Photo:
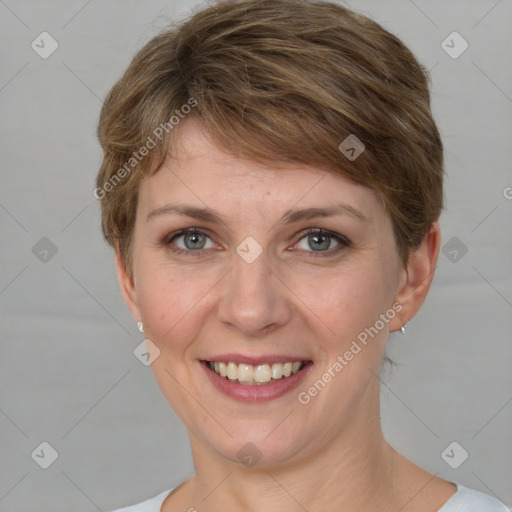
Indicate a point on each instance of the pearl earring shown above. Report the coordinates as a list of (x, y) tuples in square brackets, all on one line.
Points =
[(402, 329), (140, 326)]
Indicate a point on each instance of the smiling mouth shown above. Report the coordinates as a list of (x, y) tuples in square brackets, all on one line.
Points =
[(258, 375)]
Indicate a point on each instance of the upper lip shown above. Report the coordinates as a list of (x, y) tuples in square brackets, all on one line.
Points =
[(256, 360)]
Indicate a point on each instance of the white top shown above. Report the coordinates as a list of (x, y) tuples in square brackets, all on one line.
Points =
[(464, 500)]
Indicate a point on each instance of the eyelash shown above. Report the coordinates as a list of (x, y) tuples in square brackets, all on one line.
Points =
[(342, 240)]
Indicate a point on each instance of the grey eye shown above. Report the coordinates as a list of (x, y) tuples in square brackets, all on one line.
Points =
[(193, 241), (317, 242)]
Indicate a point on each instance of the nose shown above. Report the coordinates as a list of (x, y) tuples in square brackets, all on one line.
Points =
[(255, 300)]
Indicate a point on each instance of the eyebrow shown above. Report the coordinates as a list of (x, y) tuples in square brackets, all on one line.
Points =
[(289, 217)]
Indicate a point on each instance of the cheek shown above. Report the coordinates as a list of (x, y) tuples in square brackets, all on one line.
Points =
[(170, 300), (346, 302)]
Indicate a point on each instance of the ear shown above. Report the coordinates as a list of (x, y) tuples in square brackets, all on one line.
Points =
[(417, 277), (127, 287)]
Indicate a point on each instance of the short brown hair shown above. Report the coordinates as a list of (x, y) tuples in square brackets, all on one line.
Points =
[(278, 81)]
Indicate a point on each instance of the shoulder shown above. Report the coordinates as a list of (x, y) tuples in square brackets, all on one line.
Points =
[(468, 500), (464, 500), (150, 505)]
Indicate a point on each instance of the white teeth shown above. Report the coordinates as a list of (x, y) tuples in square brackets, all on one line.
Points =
[(232, 371), (277, 370), (253, 375), (245, 373), (262, 373)]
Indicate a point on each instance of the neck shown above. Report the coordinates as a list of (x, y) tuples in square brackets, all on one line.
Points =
[(340, 471)]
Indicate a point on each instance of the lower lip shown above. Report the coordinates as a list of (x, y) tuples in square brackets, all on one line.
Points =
[(256, 393)]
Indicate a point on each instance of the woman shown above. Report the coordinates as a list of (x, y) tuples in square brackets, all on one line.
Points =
[(271, 184)]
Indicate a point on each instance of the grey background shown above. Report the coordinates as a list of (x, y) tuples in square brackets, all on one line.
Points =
[(68, 373)]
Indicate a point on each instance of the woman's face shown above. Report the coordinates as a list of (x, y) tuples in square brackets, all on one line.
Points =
[(255, 283)]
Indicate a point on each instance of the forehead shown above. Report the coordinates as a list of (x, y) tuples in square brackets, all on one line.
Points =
[(200, 172)]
